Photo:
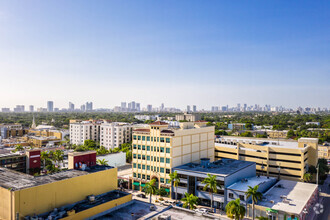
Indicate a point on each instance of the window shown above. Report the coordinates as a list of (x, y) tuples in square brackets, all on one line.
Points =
[(157, 159), (157, 149), (242, 197), (148, 177), (148, 138), (143, 147), (143, 157), (157, 139), (139, 147), (139, 156), (162, 150), (168, 150), (134, 137), (139, 175), (152, 139), (134, 174), (139, 137), (162, 180), (162, 140), (168, 171), (162, 170), (168, 140), (139, 166), (168, 160), (134, 146), (148, 148), (134, 156), (162, 159), (143, 176), (134, 165), (143, 138), (167, 181), (143, 167), (148, 158), (148, 167), (152, 148), (231, 195)]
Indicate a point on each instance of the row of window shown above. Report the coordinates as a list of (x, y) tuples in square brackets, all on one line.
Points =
[(151, 148), (152, 168), (148, 138), (138, 175), (151, 158)]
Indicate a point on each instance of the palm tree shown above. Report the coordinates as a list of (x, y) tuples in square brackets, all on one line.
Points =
[(308, 177), (255, 195), (176, 180), (150, 188), (18, 148), (58, 156), (212, 184), (235, 210), (102, 162), (189, 201), (44, 156)]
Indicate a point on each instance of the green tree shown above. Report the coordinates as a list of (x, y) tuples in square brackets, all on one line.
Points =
[(44, 156), (290, 134), (255, 195), (212, 185), (189, 201), (57, 156), (102, 162), (307, 177), (235, 210), (162, 192), (175, 180), (90, 144), (150, 188), (18, 147)]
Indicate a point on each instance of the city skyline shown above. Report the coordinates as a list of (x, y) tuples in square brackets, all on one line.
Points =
[(256, 52)]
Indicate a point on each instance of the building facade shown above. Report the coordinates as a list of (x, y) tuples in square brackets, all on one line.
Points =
[(188, 117), (113, 135), (324, 152), (159, 148), (287, 159), (84, 130)]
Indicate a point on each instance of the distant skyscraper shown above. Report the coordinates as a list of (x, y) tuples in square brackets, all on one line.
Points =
[(129, 107), (31, 108), (50, 106), (188, 108), (162, 107), (71, 106), (149, 108), (138, 107), (194, 108), (83, 108), (123, 106), (19, 108), (89, 106), (5, 109), (133, 106)]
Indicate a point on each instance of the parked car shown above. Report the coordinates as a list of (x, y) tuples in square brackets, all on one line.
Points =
[(166, 203), (202, 211), (141, 195)]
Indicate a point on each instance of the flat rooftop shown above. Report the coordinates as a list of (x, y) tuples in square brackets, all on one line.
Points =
[(141, 210), (14, 180), (223, 167), (83, 205), (253, 181), (297, 195), (267, 142)]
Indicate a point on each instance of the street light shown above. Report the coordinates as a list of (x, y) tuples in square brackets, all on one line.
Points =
[(279, 171)]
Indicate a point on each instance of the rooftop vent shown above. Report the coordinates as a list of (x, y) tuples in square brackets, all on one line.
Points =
[(205, 162)]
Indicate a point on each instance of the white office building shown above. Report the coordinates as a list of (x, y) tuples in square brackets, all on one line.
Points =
[(84, 130)]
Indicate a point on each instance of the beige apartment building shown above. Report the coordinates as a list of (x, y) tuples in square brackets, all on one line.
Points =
[(324, 152), (287, 159), (159, 148), (113, 135), (84, 130)]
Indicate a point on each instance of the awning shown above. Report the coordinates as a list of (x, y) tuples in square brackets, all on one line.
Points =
[(142, 184), (167, 190), (136, 184), (271, 210)]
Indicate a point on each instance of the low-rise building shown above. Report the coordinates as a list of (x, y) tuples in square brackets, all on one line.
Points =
[(84, 130), (237, 126), (228, 173), (288, 159), (287, 199), (324, 152)]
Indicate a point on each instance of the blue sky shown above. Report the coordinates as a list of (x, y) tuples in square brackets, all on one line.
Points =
[(177, 52)]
